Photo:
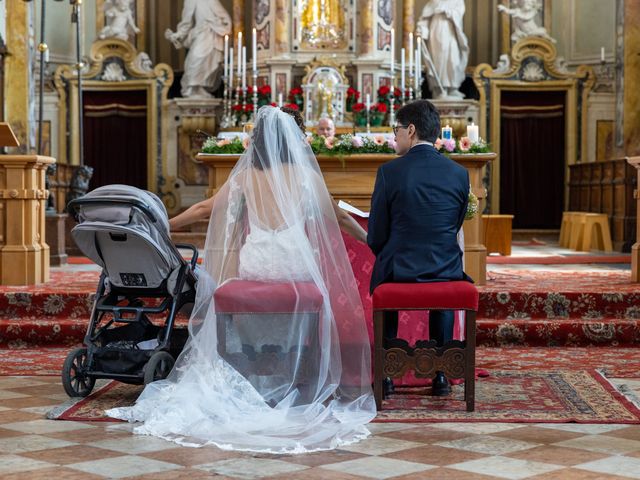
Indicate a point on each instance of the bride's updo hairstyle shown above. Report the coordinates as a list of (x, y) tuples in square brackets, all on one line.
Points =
[(269, 132)]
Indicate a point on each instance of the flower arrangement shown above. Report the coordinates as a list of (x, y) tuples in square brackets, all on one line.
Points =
[(339, 145), (461, 146), (264, 95), (352, 98), (384, 95), (472, 206), (296, 96), (239, 111)]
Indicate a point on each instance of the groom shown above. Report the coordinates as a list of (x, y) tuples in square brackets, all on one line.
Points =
[(418, 205)]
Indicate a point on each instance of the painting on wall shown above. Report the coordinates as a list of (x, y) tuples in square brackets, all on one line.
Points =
[(604, 140)]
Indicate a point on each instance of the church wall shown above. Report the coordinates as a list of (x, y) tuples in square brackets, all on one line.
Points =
[(3, 20)]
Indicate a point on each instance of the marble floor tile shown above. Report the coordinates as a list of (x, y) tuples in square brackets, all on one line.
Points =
[(134, 444), (72, 454), (52, 473), (557, 455), (435, 455), (45, 426), (618, 465), (250, 468), (30, 443), (380, 446), (478, 428), (16, 463), (537, 435), (123, 466), (188, 457), (602, 444), (378, 467), (585, 428), (504, 467), (488, 444)]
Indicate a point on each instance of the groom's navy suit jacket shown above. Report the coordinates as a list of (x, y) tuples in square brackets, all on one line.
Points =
[(418, 205)]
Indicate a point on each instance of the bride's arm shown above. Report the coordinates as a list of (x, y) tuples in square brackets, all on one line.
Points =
[(349, 224), (199, 211)]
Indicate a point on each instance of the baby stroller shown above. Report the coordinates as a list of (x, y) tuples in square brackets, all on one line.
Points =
[(126, 232)]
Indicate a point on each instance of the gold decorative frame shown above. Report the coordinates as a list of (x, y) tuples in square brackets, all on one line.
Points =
[(140, 18), (155, 82), (540, 55), (325, 61)]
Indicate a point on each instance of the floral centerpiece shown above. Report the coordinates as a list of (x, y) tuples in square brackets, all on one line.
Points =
[(378, 113), (461, 146), (339, 145)]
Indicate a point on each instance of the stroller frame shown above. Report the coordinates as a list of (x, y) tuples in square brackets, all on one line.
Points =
[(80, 369)]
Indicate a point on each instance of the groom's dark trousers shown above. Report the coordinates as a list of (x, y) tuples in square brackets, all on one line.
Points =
[(417, 208)]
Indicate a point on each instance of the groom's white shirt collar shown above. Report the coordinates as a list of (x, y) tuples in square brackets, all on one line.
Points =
[(421, 143)]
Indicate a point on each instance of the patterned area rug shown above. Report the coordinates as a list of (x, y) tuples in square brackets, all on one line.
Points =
[(506, 396), (615, 362)]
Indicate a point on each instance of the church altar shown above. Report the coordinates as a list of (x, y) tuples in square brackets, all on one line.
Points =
[(351, 178)]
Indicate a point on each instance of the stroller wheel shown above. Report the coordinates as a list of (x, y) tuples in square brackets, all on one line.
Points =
[(158, 367), (74, 380)]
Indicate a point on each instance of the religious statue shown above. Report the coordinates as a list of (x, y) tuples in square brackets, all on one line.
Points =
[(79, 184), (524, 19), (119, 18), (323, 23), (202, 29), (447, 49)]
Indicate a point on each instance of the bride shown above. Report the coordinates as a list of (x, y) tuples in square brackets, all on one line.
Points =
[(273, 222)]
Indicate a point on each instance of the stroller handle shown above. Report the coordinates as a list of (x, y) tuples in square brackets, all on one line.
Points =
[(73, 205)]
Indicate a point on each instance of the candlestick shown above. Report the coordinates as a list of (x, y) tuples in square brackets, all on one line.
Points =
[(226, 56), (392, 48), (473, 133), (239, 47), (244, 78), (411, 73), (254, 46), (230, 99), (602, 59), (280, 101), (402, 67), (447, 133), (368, 112), (255, 95), (392, 101)]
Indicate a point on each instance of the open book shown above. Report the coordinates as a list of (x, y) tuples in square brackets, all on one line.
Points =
[(351, 209)]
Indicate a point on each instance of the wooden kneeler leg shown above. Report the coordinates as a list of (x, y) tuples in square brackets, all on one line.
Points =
[(378, 359), (470, 359)]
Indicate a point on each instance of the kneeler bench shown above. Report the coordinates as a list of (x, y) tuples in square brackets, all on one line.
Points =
[(456, 358), (246, 297)]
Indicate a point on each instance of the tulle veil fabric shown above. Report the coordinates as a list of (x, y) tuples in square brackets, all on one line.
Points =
[(272, 222)]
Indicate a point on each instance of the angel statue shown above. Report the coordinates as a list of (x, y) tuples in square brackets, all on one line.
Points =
[(524, 19), (447, 49), (202, 29), (120, 22)]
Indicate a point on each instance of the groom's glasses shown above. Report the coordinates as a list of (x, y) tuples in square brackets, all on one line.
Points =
[(395, 128)]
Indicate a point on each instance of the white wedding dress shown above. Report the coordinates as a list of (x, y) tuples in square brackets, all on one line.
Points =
[(272, 222)]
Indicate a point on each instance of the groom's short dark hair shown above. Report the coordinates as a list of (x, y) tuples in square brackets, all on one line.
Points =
[(424, 116)]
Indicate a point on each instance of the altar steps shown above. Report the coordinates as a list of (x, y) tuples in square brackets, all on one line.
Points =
[(537, 309)]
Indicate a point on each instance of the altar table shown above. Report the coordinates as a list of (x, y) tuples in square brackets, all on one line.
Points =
[(351, 178)]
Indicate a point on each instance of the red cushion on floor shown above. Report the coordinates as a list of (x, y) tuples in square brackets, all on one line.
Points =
[(245, 296), (433, 295)]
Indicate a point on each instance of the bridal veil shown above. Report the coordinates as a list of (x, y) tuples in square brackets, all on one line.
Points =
[(273, 225)]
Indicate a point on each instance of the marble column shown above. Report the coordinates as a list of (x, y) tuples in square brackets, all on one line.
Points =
[(18, 82), (365, 8), (238, 19), (408, 23), (282, 21), (631, 77)]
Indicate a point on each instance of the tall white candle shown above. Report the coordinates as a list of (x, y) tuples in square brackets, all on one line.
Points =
[(239, 47), (602, 54), (393, 48), (368, 101), (280, 101), (419, 63), (416, 74), (254, 46), (411, 55), (226, 56), (231, 69), (244, 68), (402, 66), (473, 133)]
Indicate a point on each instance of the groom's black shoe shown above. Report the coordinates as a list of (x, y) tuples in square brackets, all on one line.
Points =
[(387, 387), (440, 386)]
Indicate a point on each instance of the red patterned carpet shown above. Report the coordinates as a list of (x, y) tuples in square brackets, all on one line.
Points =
[(616, 362), (507, 396), (517, 307)]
